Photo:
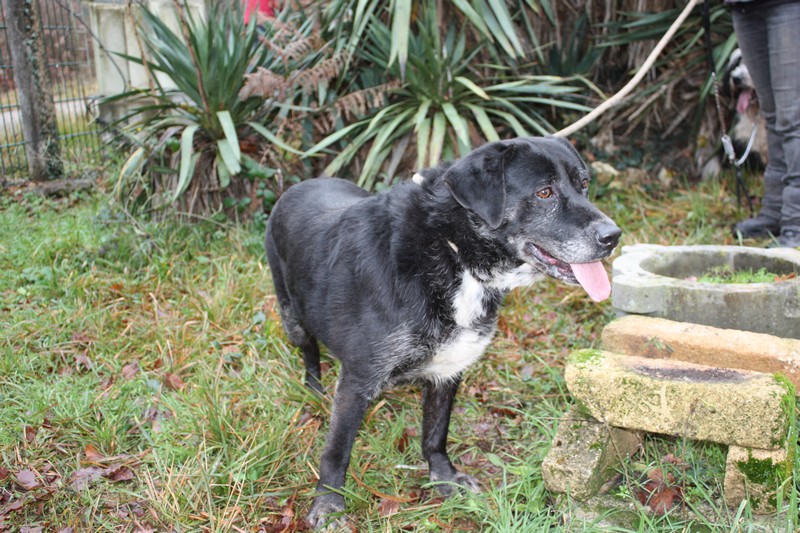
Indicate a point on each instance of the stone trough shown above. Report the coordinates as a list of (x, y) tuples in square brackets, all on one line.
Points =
[(661, 281), (691, 359)]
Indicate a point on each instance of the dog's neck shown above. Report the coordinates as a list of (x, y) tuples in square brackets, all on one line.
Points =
[(457, 235)]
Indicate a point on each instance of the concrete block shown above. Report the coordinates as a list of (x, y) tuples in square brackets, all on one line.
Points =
[(682, 399), (704, 345), (662, 281), (584, 454), (757, 475)]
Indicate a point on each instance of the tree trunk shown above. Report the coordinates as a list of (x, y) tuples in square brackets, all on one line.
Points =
[(34, 94)]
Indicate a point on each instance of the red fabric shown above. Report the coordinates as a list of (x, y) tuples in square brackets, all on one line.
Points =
[(265, 7)]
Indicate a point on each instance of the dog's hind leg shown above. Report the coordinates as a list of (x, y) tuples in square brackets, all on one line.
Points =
[(308, 345), (297, 334), (349, 406), (437, 403)]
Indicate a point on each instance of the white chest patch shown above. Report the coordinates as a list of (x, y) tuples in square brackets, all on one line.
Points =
[(457, 355), (522, 276), (468, 301)]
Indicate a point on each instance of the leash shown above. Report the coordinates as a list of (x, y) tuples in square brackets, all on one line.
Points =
[(727, 143)]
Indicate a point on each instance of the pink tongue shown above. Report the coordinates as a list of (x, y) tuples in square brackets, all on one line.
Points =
[(593, 279), (743, 102)]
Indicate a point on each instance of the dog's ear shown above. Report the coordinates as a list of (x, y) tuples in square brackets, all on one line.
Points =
[(478, 183)]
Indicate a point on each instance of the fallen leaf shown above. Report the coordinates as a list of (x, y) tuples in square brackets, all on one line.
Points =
[(82, 360), (31, 529), (664, 499), (174, 382), (27, 479), (30, 433), (403, 440), (130, 370), (503, 411), (12, 506), (3, 473), (92, 455), (673, 460), (116, 473), (659, 493), (106, 382), (84, 477), (388, 507), (81, 338), (66, 530)]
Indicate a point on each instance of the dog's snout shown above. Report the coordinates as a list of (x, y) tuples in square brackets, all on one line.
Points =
[(608, 234)]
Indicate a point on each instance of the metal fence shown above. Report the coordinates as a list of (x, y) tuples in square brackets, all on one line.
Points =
[(68, 49)]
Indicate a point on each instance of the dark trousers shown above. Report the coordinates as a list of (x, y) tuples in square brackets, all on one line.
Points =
[(769, 38)]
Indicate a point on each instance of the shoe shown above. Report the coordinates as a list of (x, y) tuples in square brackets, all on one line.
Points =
[(758, 226), (789, 239)]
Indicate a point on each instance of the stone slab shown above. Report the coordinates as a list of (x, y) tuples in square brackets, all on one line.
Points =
[(584, 454), (682, 399), (704, 345), (756, 475)]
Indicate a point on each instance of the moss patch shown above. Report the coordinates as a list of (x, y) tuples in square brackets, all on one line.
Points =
[(586, 357), (789, 409), (762, 471)]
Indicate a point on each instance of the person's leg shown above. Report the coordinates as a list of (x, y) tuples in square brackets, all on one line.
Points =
[(783, 30), (751, 27)]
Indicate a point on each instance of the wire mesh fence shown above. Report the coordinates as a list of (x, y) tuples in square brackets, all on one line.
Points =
[(70, 74)]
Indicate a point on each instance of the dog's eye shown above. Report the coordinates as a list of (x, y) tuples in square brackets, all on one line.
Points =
[(584, 183), (545, 193)]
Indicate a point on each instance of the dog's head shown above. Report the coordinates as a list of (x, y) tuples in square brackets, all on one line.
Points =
[(532, 195), (737, 83)]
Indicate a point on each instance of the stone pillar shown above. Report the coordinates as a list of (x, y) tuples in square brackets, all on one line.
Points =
[(113, 25)]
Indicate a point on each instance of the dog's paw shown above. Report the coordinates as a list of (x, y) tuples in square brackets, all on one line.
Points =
[(457, 481), (326, 514)]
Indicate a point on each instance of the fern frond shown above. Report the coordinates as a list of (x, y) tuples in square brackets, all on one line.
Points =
[(264, 83)]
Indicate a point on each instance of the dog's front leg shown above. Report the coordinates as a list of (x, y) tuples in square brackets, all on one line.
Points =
[(437, 403), (349, 407)]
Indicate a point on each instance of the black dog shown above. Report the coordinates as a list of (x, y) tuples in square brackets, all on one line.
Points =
[(406, 285)]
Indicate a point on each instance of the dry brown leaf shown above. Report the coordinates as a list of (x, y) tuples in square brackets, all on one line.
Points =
[(84, 477), (27, 479), (388, 507), (81, 337), (30, 433), (11, 506), (174, 382), (403, 440), (92, 454), (81, 360), (117, 472), (130, 370)]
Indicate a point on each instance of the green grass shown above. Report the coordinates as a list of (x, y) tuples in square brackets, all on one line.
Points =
[(155, 351), (726, 274)]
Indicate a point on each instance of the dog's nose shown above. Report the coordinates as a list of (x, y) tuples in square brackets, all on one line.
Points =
[(608, 234)]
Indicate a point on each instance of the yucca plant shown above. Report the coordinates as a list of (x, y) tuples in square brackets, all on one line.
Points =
[(348, 23), (194, 139), (445, 104)]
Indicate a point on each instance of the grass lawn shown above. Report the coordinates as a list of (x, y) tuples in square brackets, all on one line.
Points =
[(146, 385)]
